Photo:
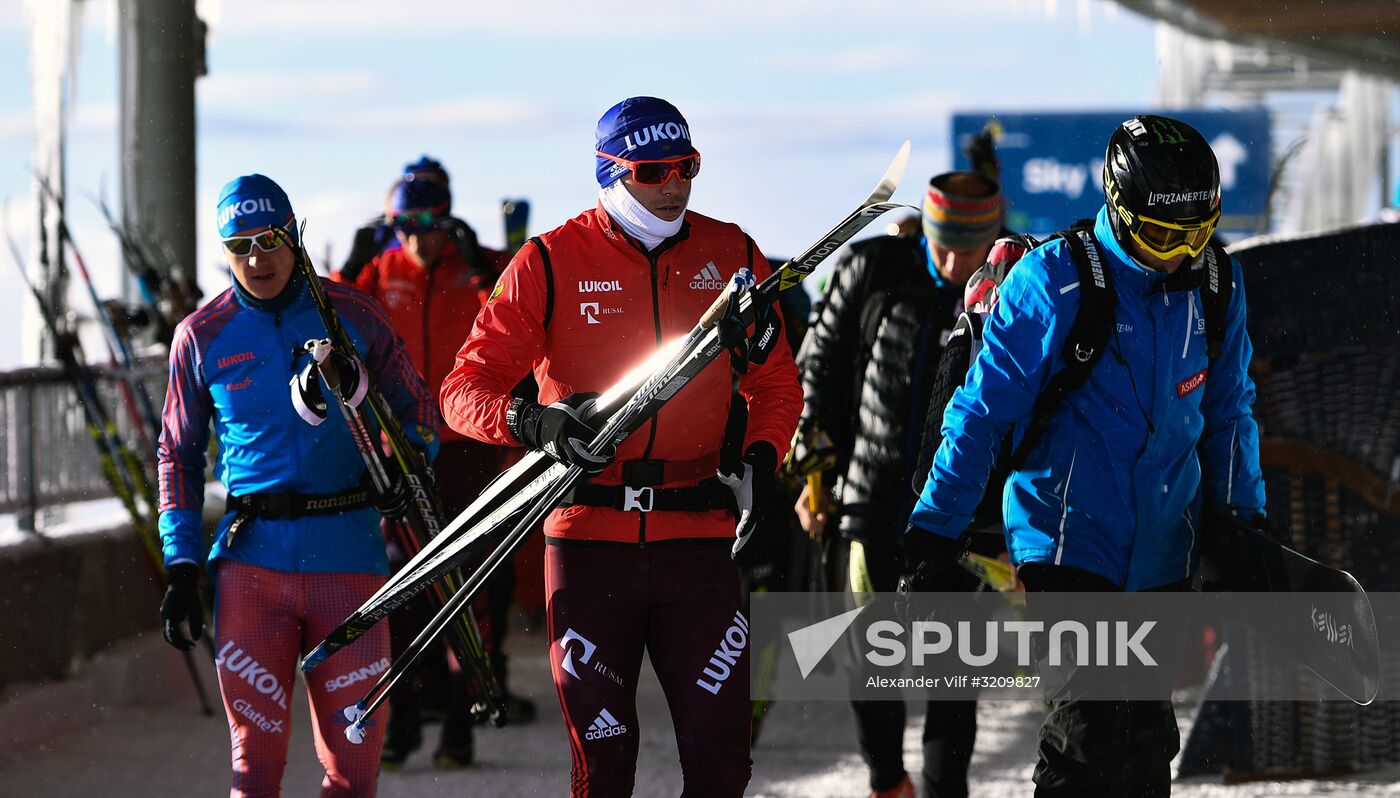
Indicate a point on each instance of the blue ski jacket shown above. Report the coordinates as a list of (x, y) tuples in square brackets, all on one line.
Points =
[(1116, 483), (230, 364)]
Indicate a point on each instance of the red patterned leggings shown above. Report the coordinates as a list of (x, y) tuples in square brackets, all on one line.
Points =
[(264, 621)]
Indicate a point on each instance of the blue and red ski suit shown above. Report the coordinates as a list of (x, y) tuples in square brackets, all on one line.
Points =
[(283, 583)]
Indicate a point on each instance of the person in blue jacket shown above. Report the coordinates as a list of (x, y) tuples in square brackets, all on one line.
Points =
[(1110, 499), (299, 547)]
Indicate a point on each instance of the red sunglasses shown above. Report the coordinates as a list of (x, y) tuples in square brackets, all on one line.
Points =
[(656, 173)]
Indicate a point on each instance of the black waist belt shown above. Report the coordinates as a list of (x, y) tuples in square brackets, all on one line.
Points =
[(296, 505), (710, 494), (658, 472)]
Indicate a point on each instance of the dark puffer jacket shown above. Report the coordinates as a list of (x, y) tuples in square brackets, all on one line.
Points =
[(867, 371)]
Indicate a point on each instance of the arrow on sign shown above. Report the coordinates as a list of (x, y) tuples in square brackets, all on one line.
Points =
[(1230, 153)]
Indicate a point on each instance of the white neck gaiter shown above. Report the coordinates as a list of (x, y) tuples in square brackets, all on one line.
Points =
[(635, 219)]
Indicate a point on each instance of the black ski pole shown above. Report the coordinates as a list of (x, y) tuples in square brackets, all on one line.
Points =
[(464, 632), (425, 509)]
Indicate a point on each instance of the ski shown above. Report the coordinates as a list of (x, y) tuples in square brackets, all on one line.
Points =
[(145, 420), (119, 465), (422, 522), (1316, 604), (626, 406), (516, 215)]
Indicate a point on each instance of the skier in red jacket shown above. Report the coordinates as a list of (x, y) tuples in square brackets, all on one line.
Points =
[(639, 557)]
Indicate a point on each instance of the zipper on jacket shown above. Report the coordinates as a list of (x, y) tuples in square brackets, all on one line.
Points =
[(652, 257)]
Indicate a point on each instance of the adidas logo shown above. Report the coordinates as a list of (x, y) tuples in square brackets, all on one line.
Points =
[(709, 279), (605, 725)]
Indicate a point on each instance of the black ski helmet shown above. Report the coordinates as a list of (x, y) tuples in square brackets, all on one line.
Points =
[(1162, 185)]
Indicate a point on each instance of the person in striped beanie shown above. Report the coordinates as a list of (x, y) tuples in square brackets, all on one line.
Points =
[(887, 317), (963, 213)]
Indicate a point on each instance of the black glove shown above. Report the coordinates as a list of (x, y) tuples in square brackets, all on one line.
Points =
[(560, 431), (393, 501), (182, 603), (369, 241), (752, 483), (1273, 530), (930, 561)]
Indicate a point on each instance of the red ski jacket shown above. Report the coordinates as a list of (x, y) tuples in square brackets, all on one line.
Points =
[(600, 307), (432, 309)]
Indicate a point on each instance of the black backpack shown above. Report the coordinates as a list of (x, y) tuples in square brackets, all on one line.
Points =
[(1088, 338)]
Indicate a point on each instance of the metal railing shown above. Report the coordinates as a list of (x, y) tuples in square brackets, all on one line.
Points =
[(46, 455)]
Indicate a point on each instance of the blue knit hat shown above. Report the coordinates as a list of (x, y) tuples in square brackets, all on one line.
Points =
[(640, 129), (253, 201), (419, 193)]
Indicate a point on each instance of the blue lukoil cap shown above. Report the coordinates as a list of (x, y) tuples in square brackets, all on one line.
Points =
[(253, 201), (640, 129), (414, 194)]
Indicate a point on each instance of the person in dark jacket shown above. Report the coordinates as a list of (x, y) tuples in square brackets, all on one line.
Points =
[(867, 371)]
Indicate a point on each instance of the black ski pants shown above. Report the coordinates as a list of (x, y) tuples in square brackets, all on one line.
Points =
[(950, 727), (464, 469), (1100, 749), (677, 601)]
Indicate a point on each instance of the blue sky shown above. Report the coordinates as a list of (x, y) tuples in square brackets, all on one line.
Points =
[(796, 106)]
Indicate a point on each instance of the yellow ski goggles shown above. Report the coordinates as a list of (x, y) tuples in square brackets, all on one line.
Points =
[(1166, 240)]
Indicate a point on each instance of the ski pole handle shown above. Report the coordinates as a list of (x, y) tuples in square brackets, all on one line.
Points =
[(726, 302), (814, 492)]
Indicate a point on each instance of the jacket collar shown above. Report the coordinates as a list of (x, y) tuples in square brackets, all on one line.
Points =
[(290, 294)]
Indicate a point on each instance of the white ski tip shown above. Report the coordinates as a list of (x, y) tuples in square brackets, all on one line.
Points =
[(355, 733), (893, 175), (354, 712)]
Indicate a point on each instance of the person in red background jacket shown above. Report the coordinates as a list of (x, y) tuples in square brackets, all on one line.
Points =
[(639, 558), (432, 286)]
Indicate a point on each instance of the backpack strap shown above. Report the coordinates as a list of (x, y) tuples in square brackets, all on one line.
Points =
[(1215, 297), (1088, 336), (548, 280), (953, 365)]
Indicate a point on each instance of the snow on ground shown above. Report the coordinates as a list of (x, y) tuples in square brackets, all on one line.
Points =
[(66, 743)]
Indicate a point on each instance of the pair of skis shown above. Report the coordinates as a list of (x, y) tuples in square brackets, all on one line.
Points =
[(144, 418), (422, 522), (523, 495), (123, 469)]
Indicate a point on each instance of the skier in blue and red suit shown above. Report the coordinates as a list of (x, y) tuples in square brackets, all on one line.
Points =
[(299, 547)]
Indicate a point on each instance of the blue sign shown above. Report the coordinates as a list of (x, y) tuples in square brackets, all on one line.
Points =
[(1052, 163)]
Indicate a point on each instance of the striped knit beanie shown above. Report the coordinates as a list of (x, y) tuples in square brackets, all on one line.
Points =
[(962, 210)]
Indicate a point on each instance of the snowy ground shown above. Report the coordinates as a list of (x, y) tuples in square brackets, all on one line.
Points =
[(63, 741)]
